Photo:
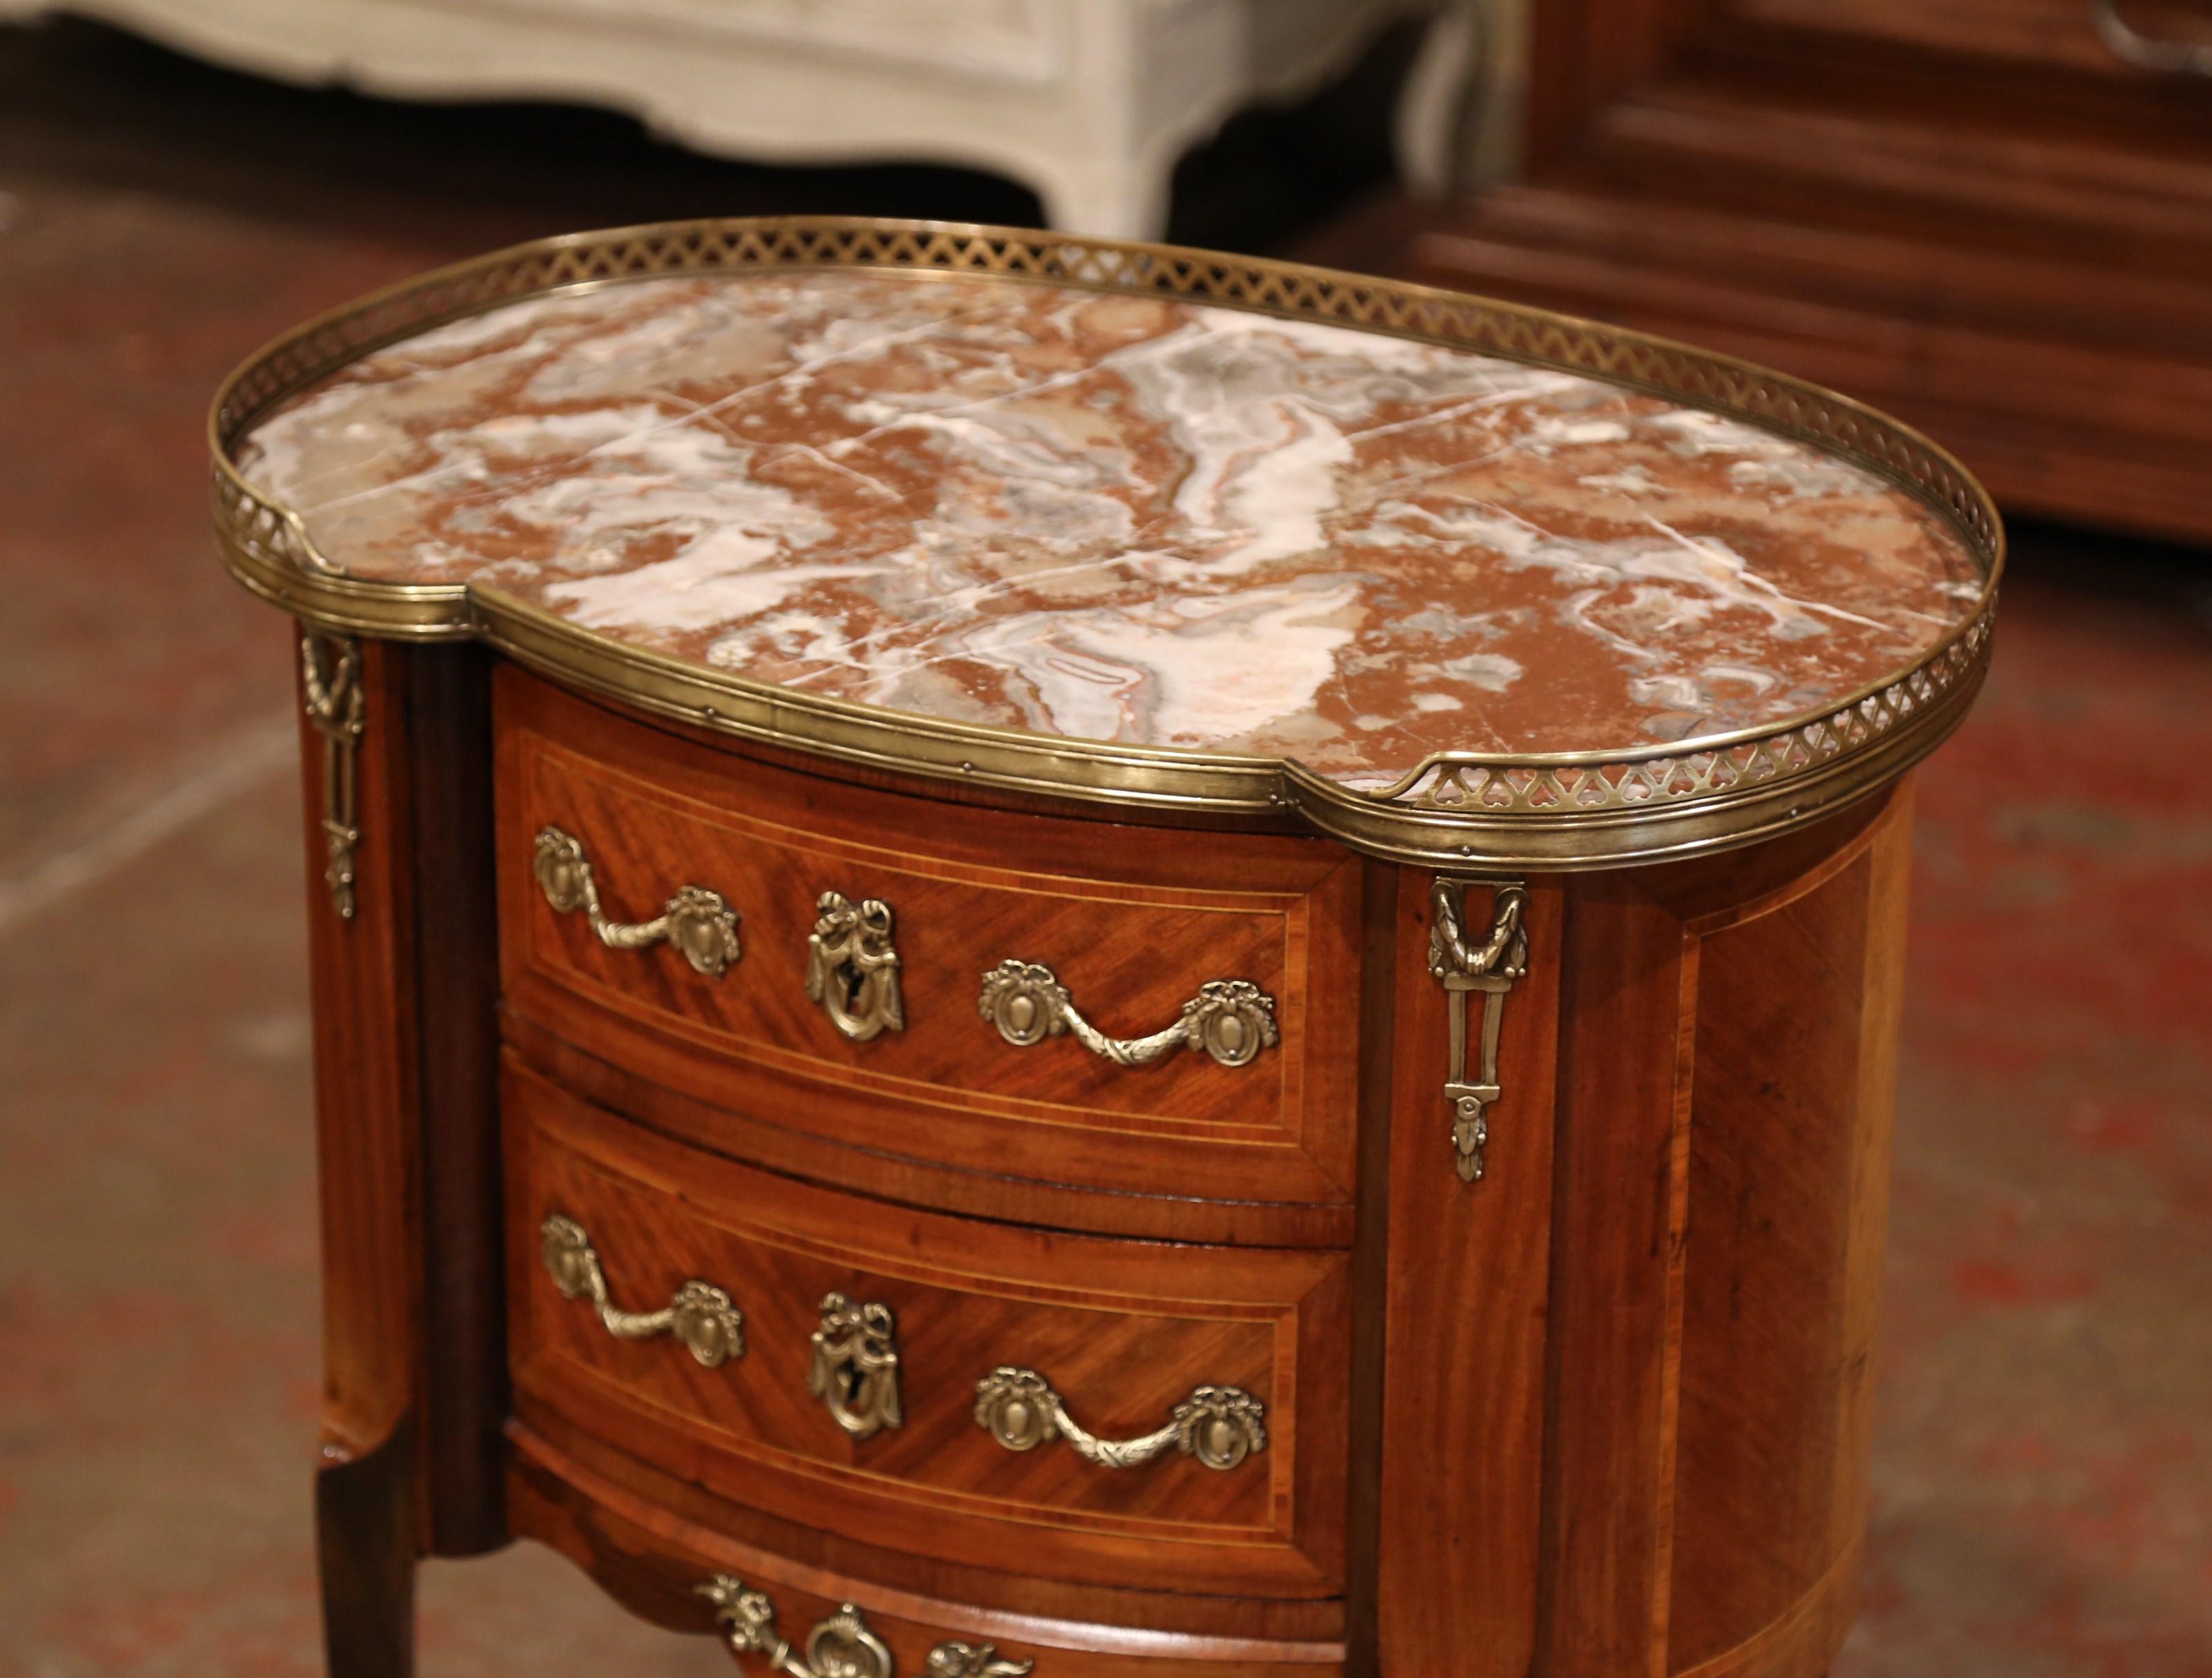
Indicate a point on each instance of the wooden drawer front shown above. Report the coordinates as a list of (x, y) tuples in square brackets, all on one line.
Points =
[(656, 1561), (1123, 1331), (1133, 922)]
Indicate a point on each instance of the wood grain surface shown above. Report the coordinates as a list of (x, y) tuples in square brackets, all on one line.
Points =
[(1604, 1412), (412, 1458), (1973, 215), (1462, 1420), (1727, 1060), (1788, 1176), (1132, 922), (768, 1139), (1123, 1330), (651, 1559), (1120, 1615)]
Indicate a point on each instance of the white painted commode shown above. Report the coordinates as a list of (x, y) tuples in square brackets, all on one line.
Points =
[(1090, 102)]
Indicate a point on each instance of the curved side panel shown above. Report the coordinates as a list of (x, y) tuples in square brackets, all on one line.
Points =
[(1726, 1067), (1792, 1091)]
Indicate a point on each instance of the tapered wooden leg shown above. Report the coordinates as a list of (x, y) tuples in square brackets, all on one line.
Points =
[(365, 1552), (403, 947)]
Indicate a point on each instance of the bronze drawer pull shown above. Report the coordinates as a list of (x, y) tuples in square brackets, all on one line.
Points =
[(700, 923), (842, 1647), (1231, 1020), (698, 1314), (1218, 1426)]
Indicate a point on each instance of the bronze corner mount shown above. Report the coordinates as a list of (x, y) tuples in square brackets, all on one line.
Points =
[(329, 678), (1492, 966)]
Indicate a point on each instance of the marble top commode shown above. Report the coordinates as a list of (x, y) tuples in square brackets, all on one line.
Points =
[(1123, 517), (1043, 835)]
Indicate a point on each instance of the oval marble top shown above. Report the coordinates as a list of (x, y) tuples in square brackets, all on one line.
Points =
[(1121, 518)]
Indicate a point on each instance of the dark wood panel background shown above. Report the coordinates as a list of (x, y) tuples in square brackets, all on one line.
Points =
[(1970, 212)]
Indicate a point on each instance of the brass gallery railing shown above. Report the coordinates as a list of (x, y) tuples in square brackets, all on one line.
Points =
[(1457, 808)]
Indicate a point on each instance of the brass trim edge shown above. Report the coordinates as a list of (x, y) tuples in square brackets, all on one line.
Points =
[(1567, 810)]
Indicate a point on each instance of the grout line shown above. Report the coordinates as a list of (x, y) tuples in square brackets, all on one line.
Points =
[(250, 756)]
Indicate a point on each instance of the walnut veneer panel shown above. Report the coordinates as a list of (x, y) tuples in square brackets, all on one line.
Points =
[(544, 1444), (652, 1560), (1720, 1147), (1606, 1408), (1787, 1175), (1123, 1330), (1132, 922)]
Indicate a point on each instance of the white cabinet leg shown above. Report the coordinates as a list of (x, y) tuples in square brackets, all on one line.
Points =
[(1107, 200), (1432, 111)]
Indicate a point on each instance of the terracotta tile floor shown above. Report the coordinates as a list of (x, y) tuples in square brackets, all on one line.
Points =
[(2045, 1461)]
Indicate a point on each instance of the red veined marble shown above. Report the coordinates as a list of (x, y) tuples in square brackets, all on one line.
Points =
[(1121, 517)]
